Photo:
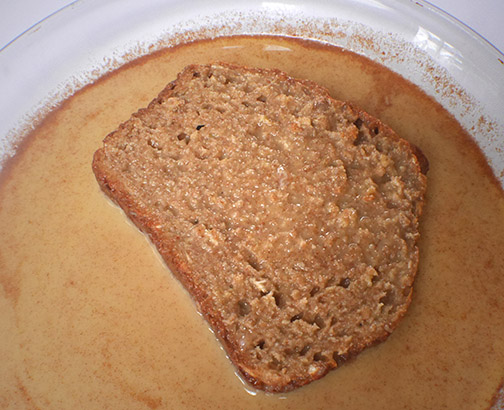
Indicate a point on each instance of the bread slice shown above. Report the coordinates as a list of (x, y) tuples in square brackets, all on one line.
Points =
[(291, 218)]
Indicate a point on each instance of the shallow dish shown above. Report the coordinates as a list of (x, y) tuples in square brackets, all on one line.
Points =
[(88, 39)]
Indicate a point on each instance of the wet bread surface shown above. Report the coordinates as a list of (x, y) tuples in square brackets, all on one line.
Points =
[(290, 217)]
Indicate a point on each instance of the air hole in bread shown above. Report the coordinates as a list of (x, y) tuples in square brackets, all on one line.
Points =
[(254, 264), (274, 364), (344, 283), (319, 321), (253, 261), (198, 127), (376, 130), (319, 357), (183, 137), (220, 109), (376, 278), (260, 344), (262, 98), (305, 350), (243, 307), (154, 144), (339, 358), (296, 317), (387, 299), (361, 138), (380, 180), (279, 299), (196, 74), (314, 291)]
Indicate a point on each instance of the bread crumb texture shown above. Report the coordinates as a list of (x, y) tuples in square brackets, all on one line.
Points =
[(290, 217)]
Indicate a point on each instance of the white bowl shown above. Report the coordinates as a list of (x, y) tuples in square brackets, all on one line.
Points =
[(89, 38)]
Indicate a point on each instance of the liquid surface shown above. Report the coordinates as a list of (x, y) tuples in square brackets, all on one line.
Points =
[(90, 314)]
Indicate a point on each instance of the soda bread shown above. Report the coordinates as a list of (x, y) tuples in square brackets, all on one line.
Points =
[(290, 217)]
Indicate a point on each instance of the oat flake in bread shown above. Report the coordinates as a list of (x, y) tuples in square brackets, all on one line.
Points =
[(290, 217)]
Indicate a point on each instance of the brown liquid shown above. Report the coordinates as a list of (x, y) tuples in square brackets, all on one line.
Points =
[(90, 317)]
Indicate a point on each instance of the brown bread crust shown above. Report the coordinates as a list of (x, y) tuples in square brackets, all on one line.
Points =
[(291, 218)]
